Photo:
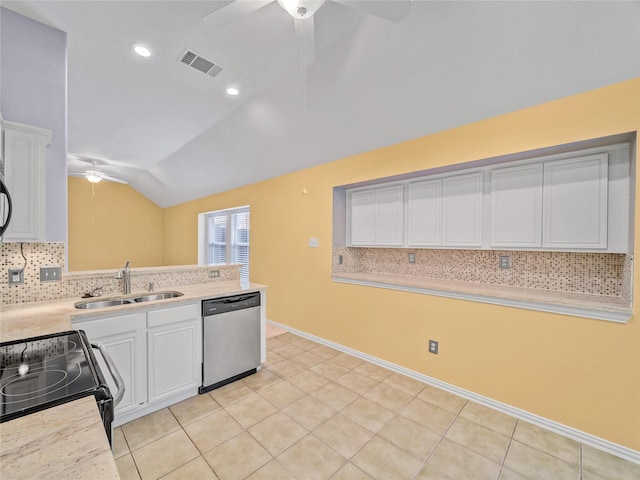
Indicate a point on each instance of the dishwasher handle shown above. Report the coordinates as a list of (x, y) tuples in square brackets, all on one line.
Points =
[(113, 371)]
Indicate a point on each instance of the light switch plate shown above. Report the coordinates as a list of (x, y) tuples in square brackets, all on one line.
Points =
[(50, 274)]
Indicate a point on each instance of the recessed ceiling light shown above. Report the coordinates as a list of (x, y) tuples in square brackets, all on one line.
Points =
[(141, 50), (232, 91)]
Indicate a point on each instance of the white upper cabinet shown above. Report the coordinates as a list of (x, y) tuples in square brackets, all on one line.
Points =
[(516, 206), (363, 217), (424, 213), (376, 216), (570, 201), (389, 215), (25, 174), (575, 203), (462, 210)]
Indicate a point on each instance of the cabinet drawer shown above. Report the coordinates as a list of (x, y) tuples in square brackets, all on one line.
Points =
[(157, 318), (104, 327)]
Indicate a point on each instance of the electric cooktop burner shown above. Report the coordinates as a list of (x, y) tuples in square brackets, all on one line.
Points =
[(40, 372)]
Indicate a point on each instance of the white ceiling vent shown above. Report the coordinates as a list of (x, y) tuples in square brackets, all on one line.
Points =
[(200, 63)]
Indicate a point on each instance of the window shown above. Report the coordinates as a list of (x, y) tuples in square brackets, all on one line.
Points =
[(224, 238)]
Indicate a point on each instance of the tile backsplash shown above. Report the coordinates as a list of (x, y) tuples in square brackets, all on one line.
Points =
[(75, 284), (608, 274)]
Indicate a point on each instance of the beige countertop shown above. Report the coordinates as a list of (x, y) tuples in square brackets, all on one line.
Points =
[(591, 306), (68, 441)]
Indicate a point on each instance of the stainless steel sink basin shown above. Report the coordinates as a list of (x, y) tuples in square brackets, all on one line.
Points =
[(103, 303), (157, 296), (114, 302)]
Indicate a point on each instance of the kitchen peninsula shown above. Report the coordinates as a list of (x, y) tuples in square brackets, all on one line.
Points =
[(67, 440)]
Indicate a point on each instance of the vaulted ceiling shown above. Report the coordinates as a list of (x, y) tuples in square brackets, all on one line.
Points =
[(175, 135)]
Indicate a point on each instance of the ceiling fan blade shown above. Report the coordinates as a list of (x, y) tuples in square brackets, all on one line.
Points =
[(392, 10), (113, 179), (232, 12), (305, 29)]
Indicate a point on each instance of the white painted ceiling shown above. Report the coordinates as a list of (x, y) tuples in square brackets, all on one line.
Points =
[(175, 135)]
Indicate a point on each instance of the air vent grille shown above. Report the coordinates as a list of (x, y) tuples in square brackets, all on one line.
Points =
[(200, 63)]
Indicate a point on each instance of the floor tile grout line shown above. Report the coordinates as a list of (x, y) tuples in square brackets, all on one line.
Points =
[(257, 388)]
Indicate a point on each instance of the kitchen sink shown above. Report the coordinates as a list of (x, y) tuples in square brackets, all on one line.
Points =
[(157, 296), (103, 303), (131, 299)]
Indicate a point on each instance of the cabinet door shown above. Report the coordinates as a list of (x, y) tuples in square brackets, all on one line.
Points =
[(424, 213), (124, 337), (363, 217), (462, 210), (24, 158), (575, 202), (516, 206), (174, 344), (389, 215)]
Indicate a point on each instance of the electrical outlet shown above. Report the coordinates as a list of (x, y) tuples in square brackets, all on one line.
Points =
[(16, 276), (50, 274), (505, 261), (412, 258), (314, 243), (433, 347), (214, 273), (340, 259)]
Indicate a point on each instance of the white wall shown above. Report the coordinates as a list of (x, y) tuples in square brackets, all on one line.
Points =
[(33, 91)]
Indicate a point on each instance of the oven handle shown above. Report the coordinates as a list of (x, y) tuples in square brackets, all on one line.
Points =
[(113, 371)]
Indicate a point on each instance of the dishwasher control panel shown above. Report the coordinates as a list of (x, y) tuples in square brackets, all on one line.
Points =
[(217, 306)]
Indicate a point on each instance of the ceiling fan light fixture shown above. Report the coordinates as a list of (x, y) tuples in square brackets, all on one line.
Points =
[(93, 177), (301, 8)]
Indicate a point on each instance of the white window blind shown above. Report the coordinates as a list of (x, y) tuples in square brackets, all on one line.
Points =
[(227, 238)]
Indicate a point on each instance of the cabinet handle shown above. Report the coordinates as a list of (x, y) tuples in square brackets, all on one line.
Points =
[(113, 371)]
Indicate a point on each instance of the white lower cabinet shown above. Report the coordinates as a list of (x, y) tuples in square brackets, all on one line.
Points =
[(158, 354), (174, 339), (124, 337)]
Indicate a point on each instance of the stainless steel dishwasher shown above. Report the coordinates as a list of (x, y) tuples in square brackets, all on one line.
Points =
[(231, 339)]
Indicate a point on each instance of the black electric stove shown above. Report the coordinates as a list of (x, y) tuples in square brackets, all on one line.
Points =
[(41, 372)]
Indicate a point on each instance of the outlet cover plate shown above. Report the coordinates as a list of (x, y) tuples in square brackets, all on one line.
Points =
[(505, 261), (412, 258), (214, 273), (433, 347), (16, 276)]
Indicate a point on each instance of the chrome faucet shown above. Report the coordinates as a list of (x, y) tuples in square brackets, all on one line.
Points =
[(125, 275)]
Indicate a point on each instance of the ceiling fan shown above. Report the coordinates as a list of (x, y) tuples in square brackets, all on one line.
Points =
[(302, 12), (92, 172)]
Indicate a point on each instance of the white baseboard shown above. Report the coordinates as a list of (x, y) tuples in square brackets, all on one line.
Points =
[(559, 428)]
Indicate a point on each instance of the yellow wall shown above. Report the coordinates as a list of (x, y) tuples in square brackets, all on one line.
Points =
[(110, 223), (580, 372)]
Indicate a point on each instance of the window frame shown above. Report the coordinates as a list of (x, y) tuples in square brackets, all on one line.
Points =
[(230, 240)]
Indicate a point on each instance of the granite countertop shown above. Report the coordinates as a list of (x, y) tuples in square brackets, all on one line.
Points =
[(67, 441), (562, 302), (22, 320)]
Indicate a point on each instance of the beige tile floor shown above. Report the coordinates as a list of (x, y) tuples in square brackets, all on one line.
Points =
[(313, 412)]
